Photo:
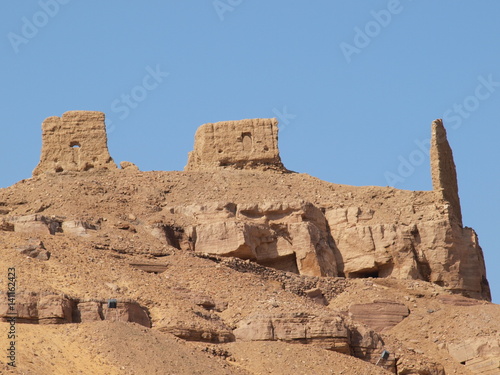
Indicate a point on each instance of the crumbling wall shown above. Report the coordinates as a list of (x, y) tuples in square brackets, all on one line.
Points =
[(76, 141), (244, 144)]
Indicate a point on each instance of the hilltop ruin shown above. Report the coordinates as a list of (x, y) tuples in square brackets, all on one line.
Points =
[(75, 142), (241, 144), (346, 231)]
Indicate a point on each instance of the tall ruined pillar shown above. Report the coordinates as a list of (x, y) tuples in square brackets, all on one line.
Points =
[(444, 174), (76, 142)]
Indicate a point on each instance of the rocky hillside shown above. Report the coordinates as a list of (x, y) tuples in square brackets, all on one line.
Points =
[(236, 266)]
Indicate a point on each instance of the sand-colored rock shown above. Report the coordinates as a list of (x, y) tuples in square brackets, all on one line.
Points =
[(244, 144), (128, 166), (443, 170), (50, 308), (327, 332), (379, 315), (290, 236), (428, 245), (481, 355), (76, 142)]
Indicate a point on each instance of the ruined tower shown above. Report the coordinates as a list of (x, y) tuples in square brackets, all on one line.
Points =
[(245, 144), (76, 141), (443, 170)]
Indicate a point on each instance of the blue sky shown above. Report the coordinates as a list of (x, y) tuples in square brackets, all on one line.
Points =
[(355, 85)]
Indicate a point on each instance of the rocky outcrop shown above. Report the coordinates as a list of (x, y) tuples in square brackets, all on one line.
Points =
[(352, 241), (49, 308), (427, 244), (44, 225), (76, 141), (245, 144), (443, 170), (480, 355), (327, 332), (288, 236), (330, 332), (35, 249), (126, 165)]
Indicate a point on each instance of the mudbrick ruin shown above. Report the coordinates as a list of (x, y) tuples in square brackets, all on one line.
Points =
[(236, 250)]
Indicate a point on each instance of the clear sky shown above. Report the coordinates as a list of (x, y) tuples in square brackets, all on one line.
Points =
[(354, 84)]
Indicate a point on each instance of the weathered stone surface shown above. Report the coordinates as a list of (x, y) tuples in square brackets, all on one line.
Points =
[(127, 312), (484, 366), (289, 236), (427, 245), (479, 347), (352, 241), (126, 165), (150, 267), (76, 141), (35, 249), (76, 227), (327, 332), (380, 315), (49, 308), (443, 170), (251, 143), (89, 311), (43, 225), (34, 224), (39, 308), (193, 333)]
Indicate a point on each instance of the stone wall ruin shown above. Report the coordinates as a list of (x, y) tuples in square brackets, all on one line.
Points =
[(245, 144), (75, 142)]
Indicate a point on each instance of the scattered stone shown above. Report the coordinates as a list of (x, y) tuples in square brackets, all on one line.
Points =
[(36, 250)]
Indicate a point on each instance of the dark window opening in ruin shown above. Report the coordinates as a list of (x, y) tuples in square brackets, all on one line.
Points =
[(59, 170), (247, 141), (364, 274), (88, 167), (266, 148), (74, 144), (462, 363)]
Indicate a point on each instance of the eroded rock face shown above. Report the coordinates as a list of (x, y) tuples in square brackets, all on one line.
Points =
[(327, 332), (49, 308), (428, 245), (251, 143), (76, 141), (289, 236)]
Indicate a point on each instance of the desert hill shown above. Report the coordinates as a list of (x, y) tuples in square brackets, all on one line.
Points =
[(237, 265)]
